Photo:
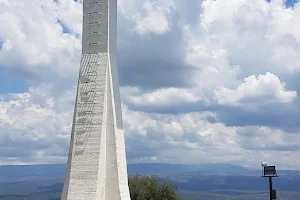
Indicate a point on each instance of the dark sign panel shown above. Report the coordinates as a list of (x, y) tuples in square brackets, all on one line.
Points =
[(269, 171)]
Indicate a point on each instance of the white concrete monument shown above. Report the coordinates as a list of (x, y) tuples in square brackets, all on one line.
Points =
[(96, 168)]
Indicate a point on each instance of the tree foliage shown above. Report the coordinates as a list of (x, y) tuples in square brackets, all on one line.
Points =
[(149, 188)]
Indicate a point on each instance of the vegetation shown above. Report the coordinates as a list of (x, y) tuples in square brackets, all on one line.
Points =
[(149, 188)]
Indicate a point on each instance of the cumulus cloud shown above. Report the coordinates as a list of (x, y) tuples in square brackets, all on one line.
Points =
[(182, 67), (70, 13), (263, 89), (242, 26), (30, 123), (169, 137), (148, 16), (265, 138), (33, 40), (160, 97)]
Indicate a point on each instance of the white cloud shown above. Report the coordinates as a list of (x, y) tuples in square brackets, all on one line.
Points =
[(266, 138), (170, 137), (254, 33), (239, 39), (263, 89), (160, 97), (70, 13), (148, 16), (182, 138), (266, 143), (32, 129), (231, 50), (33, 40), (228, 50)]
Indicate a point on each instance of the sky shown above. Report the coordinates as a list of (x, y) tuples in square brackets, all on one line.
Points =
[(201, 81)]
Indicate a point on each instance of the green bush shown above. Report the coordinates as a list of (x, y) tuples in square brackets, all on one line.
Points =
[(149, 188)]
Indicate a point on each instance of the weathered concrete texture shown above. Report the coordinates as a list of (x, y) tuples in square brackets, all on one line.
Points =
[(97, 162)]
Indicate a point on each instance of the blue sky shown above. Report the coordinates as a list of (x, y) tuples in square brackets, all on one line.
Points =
[(11, 84), (291, 3), (208, 81), (65, 28), (288, 3)]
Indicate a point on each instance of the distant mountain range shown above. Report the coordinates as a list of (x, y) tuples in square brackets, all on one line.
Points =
[(17, 171), (12, 172), (22, 181), (161, 168)]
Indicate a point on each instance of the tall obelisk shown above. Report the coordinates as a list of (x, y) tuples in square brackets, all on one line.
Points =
[(97, 161)]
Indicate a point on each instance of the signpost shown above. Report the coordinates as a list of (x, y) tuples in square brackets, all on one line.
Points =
[(270, 172)]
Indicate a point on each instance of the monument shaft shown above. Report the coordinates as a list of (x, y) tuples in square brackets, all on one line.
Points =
[(96, 168)]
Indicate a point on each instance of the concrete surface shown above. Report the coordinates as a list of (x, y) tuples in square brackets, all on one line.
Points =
[(96, 168)]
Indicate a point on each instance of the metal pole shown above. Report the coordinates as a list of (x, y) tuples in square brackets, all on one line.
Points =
[(271, 188)]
